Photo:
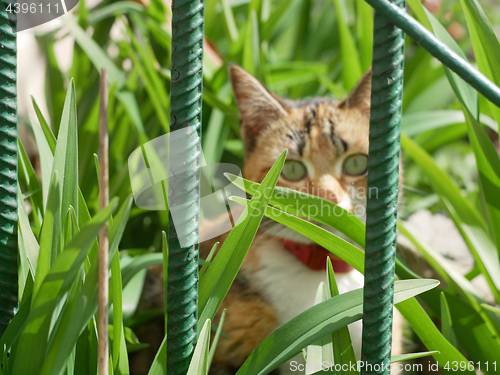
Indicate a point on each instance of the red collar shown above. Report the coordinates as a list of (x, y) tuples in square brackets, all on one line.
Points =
[(314, 256)]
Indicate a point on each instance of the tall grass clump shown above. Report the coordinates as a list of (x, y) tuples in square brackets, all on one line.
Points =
[(299, 49)]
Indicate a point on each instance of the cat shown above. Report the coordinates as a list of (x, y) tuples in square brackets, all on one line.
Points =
[(327, 143)]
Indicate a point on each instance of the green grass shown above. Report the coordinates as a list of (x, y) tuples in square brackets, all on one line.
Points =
[(299, 48)]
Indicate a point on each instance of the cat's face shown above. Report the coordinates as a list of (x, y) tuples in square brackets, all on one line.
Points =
[(327, 141)]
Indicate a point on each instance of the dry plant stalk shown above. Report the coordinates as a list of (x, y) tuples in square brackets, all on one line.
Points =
[(103, 291)]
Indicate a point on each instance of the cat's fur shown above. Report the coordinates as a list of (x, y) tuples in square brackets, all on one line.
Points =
[(276, 286)]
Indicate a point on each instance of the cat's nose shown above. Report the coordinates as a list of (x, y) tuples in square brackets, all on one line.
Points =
[(327, 187)]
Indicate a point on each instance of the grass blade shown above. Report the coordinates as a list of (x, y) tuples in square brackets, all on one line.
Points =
[(427, 332), (251, 44), (343, 350), (119, 356), (477, 336), (208, 260), (199, 360), (164, 253), (16, 326), (34, 338), (415, 123), (120, 7), (470, 224), (46, 159), (322, 350), (50, 234), (28, 181), (140, 263), (213, 348), (296, 203), (441, 265), (161, 112), (488, 166), (407, 357), (364, 29), (490, 308), (446, 321), (99, 58), (341, 248), (485, 44), (31, 247), (411, 309), (80, 310), (464, 92), (314, 323), (230, 24), (150, 73), (217, 280), (351, 71), (159, 366), (66, 153), (49, 136), (130, 105), (270, 26)]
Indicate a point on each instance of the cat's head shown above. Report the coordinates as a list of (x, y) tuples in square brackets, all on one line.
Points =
[(327, 140)]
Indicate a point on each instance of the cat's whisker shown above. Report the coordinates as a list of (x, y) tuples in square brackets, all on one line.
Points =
[(413, 189)]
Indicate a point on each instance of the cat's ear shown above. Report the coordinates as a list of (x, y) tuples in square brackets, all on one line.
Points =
[(256, 104), (360, 95)]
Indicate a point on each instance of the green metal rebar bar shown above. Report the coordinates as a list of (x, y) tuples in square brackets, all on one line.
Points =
[(438, 49), (8, 167), (383, 179), (185, 113)]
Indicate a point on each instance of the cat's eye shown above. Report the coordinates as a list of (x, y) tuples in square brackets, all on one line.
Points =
[(294, 170), (356, 165)]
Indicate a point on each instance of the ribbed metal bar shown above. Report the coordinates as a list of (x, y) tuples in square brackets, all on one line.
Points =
[(186, 105), (436, 48), (383, 179), (8, 167)]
